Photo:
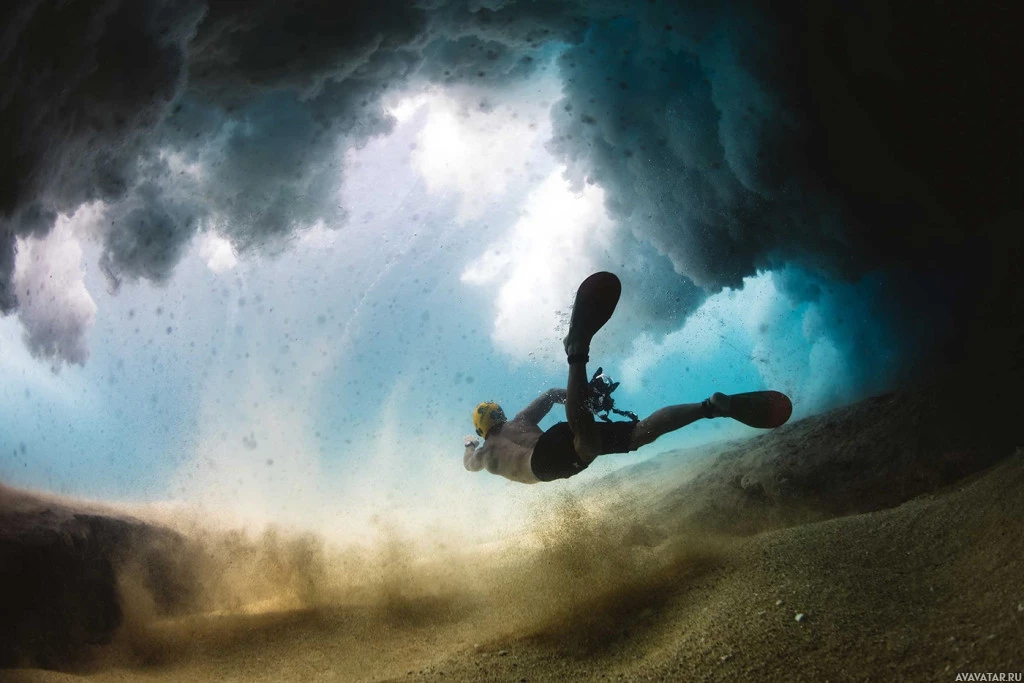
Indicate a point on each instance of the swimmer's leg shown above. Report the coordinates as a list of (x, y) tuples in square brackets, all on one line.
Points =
[(671, 418), (586, 439)]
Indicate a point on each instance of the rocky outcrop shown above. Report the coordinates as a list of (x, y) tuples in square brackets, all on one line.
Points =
[(59, 577)]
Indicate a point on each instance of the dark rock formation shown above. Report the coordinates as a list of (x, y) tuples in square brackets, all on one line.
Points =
[(59, 577)]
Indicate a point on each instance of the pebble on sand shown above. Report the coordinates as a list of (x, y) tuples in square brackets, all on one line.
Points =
[(799, 616)]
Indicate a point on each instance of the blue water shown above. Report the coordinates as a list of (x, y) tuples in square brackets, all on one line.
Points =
[(338, 369)]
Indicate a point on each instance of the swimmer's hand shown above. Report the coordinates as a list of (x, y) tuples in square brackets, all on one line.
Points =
[(470, 442)]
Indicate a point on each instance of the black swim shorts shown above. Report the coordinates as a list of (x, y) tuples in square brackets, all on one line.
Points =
[(555, 457)]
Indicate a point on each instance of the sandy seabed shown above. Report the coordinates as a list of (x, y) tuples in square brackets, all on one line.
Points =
[(841, 547)]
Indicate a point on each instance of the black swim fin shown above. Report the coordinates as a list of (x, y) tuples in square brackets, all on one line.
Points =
[(595, 302)]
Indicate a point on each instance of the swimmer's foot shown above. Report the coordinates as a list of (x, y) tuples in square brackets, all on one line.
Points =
[(716, 405), (577, 348), (595, 302)]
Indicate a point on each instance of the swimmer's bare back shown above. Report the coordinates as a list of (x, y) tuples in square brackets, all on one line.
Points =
[(507, 451)]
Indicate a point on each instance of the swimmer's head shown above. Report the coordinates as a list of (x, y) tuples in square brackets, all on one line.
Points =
[(486, 417)]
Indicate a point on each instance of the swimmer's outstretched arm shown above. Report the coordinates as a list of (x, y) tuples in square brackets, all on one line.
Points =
[(473, 457), (540, 406)]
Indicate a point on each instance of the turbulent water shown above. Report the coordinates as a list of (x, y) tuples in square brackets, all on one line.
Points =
[(258, 262)]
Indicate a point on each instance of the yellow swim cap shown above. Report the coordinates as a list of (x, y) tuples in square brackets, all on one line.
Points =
[(487, 416)]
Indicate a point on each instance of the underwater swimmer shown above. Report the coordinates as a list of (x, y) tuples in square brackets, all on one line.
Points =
[(518, 449)]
